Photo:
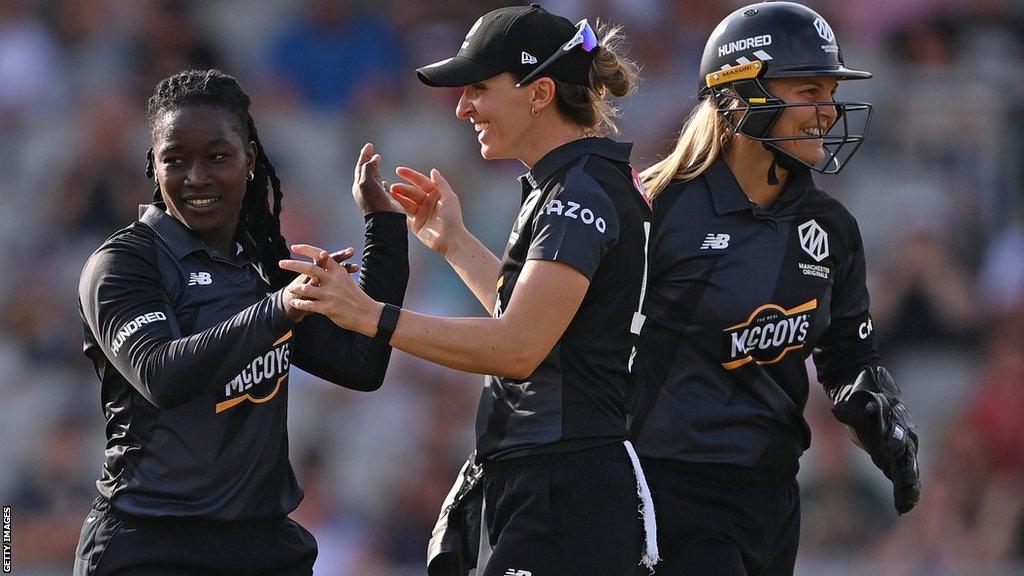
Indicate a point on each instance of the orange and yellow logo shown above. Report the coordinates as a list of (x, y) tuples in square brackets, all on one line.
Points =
[(769, 333)]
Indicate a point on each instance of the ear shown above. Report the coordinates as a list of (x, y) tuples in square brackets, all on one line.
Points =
[(250, 156), (542, 93)]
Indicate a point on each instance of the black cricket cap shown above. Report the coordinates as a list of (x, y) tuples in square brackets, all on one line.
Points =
[(513, 39)]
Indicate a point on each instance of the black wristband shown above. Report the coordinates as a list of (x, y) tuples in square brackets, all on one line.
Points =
[(387, 323)]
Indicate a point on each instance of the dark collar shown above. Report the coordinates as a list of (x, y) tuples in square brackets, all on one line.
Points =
[(727, 195), (546, 167), (176, 235)]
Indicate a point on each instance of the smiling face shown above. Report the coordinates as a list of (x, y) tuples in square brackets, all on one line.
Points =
[(202, 161), (804, 121), (500, 114)]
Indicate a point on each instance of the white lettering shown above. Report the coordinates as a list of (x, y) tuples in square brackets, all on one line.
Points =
[(601, 226), (587, 216), (744, 44), (738, 345), (555, 207), (133, 326), (865, 329), (571, 212), (781, 331)]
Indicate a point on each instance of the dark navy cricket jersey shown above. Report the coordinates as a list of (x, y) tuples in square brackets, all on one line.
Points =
[(193, 351), (581, 206), (738, 297)]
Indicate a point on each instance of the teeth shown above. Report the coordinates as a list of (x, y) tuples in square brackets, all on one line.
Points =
[(200, 202), (816, 132), (479, 126)]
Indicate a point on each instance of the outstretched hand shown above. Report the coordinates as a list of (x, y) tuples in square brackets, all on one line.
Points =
[(433, 211), (331, 291), (368, 190)]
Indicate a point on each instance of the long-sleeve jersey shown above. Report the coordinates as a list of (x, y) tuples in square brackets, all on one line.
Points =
[(582, 207), (193, 351), (738, 298)]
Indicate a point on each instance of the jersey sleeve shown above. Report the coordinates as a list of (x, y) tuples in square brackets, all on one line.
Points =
[(125, 307), (849, 343), (348, 358), (577, 227)]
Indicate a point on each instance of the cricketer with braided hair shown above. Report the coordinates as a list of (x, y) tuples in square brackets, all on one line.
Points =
[(189, 323)]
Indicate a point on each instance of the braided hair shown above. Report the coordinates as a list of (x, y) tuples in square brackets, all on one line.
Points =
[(263, 224)]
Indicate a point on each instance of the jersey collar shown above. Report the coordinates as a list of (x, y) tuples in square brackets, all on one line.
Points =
[(546, 167), (727, 196), (175, 234)]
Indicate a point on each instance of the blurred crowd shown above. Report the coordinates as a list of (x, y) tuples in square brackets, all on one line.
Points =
[(938, 189)]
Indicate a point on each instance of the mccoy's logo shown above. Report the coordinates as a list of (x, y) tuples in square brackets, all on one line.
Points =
[(261, 379), (769, 334)]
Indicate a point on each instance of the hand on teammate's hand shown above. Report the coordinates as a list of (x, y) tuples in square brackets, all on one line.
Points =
[(331, 291), (433, 211), (294, 314), (368, 190)]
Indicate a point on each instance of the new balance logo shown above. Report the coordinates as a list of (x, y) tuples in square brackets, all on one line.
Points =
[(202, 278), (514, 572), (529, 58), (715, 242)]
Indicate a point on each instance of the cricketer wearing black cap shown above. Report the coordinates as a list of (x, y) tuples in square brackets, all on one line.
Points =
[(750, 276), (559, 483)]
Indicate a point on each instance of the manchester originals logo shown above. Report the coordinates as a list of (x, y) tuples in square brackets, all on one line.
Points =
[(814, 240), (824, 30), (769, 334), (261, 379)]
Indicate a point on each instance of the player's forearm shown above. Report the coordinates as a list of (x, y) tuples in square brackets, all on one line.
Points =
[(477, 266), (480, 345), (385, 271)]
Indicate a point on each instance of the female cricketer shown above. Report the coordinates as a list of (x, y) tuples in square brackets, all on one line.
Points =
[(560, 483), (753, 267), (191, 327)]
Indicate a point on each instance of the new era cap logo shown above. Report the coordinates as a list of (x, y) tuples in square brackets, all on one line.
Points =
[(529, 58)]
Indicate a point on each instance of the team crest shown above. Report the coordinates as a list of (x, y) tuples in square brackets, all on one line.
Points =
[(824, 30), (814, 240)]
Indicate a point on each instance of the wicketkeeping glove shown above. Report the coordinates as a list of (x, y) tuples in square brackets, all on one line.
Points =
[(882, 423)]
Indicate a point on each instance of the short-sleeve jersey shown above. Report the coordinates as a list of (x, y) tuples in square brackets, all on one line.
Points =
[(738, 297), (582, 206), (193, 350)]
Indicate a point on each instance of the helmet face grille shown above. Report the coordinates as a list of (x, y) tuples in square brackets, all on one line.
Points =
[(749, 109)]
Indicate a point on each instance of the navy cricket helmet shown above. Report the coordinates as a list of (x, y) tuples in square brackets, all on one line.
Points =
[(779, 40)]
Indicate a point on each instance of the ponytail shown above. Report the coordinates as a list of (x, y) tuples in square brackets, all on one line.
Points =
[(702, 140)]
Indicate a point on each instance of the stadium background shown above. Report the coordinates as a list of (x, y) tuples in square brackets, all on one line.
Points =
[(937, 189)]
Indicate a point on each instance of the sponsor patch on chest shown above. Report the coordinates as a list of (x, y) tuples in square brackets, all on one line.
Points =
[(769, 333)]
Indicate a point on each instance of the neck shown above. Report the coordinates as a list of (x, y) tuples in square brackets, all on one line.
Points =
[(749, 162), (549, 135)]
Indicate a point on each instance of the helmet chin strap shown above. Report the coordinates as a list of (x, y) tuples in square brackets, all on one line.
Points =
[(779, 158)]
